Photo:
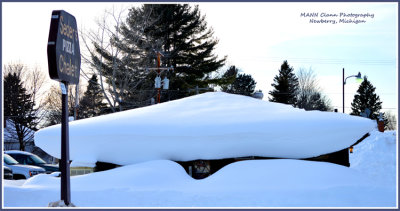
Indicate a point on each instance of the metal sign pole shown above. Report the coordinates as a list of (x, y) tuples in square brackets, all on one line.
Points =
[(64, 163), (64, 60)]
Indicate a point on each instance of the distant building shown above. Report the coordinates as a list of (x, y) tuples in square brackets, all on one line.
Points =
[(10, 140)]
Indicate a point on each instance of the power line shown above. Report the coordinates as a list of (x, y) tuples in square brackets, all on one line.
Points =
[(351, 107), (324, 61), (386, 93)]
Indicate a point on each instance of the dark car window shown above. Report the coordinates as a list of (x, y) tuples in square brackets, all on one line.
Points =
[(9, 160), (36, 159), (28, 159), (20, 158)]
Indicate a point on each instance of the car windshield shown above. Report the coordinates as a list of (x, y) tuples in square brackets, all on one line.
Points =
[(36, 159), (9, 160)]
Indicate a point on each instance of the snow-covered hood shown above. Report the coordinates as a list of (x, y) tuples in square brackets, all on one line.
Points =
[(213, 125)]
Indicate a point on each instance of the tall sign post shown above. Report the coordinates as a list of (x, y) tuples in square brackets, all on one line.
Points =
[(64, 61)]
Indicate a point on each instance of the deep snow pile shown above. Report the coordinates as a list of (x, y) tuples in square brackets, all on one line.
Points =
[(257, 183), (376, 157), (213, 125)]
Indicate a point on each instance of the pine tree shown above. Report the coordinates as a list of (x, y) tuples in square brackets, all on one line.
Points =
[(180, 33), (366, 98), (243, 84), (313, 101), (91, 103), (285, 86), (19, 108), (187, 43)]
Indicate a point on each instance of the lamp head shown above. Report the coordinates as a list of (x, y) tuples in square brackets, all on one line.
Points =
[(359, 78)]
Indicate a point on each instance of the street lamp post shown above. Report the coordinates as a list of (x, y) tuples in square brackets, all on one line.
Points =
[(358, 76)]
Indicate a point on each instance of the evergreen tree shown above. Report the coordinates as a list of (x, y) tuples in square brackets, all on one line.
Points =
[(19, 108), (187, 43), (243, 85), (179, 32), (285, 86), (366, 98), (313, 101), (91, 103), (229, 76)]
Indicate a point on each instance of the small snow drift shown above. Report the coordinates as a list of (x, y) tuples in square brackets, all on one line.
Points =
[(208, 126), (287, 174)]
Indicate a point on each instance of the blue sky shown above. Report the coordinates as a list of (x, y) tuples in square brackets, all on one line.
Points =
[(256, 37), (278, 32)]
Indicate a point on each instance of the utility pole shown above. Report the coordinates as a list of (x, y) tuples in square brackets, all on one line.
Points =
[(158, 73), (158, 80)]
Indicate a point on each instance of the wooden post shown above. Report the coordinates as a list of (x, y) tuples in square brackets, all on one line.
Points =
[(158, 72)]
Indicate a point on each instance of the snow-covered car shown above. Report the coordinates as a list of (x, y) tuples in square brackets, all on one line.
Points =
[(7, 172), (21, 171), (27, 158)]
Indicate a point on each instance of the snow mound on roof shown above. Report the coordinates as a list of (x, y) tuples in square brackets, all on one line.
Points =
[(213, 125)]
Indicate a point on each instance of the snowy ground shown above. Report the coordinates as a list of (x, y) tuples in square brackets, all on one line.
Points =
[(370, 182)]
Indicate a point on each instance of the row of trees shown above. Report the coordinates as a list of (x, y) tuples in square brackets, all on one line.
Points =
[(302, 91), (299, 90), (27, 108), (23, 113)]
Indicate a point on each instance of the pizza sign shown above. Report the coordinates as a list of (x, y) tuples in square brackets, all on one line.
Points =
[(63, 53)]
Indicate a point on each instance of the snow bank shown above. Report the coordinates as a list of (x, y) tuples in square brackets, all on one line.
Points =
[(152, 175), (369, 182), (257, 183), (376, 157), (207, 126), (286, 174)]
